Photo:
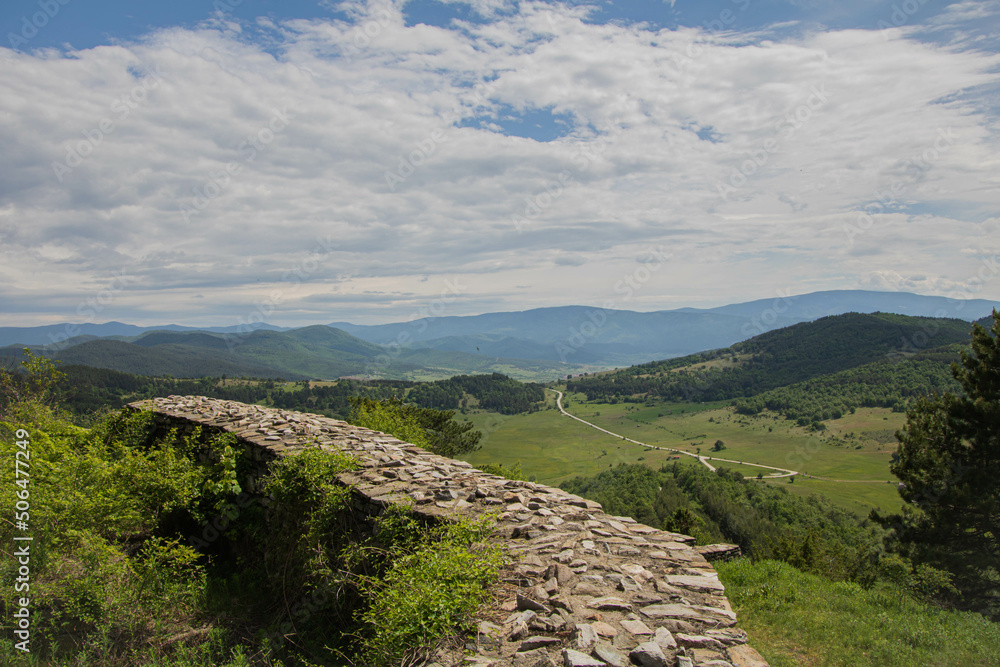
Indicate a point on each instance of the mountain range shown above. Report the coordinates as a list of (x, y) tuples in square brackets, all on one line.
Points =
[(539, 344)]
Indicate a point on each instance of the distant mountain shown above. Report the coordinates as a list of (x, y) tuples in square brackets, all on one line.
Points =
[(529, 345), (619, 337), (167, 359), (65, 334), (316, 352)]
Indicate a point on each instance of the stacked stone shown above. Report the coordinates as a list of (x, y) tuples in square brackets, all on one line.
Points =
[(585, 589)]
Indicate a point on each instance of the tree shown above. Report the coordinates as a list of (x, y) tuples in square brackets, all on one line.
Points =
[(948, 462), (719, 446), (435, 430), (33, 391)]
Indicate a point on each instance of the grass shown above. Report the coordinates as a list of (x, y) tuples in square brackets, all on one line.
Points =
[(795, 618), (553, 448)]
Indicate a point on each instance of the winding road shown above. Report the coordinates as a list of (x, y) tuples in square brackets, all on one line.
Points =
[(782, 472)]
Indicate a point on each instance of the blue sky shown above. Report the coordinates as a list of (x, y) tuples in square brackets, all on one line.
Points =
[(300, 162)]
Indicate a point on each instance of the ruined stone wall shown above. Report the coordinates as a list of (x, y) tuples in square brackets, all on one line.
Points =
[(586, 588)]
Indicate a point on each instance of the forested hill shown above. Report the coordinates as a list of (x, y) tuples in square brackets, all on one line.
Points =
[(91, 390), (780, 358)]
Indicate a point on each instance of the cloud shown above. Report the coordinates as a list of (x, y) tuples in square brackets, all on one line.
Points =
[(328, 158)]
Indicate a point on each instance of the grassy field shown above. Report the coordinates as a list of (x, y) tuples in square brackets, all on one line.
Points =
[(794, 618), (553, 448)]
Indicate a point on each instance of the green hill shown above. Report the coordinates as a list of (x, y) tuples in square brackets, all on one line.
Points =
[(779, 358)]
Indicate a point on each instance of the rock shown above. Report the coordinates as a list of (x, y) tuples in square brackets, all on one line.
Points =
[(677, 625), (534, 658), (714, 552), (585, 637), (603, 629), (684, 661), (636, 628), (610, 655), (524, 602), (704, 584), (699, 641), (489, 634), (573, 658), (701, 656), (729, 637), (664, 639), (610, 604), (745, 656), (648, 655), (697, 613), (587, 588), (538, 641), (561, 572)]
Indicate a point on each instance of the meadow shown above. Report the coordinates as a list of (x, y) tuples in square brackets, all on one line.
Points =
[(855, 450)]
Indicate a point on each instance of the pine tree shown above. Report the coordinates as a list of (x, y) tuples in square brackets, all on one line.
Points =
[(948, 463)]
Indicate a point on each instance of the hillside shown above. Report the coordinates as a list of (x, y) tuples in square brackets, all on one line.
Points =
[(317, 352), (778, 358)]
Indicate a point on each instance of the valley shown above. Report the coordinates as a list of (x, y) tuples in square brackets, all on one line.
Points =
[(553, 448)]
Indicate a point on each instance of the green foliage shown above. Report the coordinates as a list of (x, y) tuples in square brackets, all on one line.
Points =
[(776, 359), (435, 430), (495, 392), (507, 471), (884, 384), (796, 618), (431, 587), (765, 521), (949, 464), (29, 395)]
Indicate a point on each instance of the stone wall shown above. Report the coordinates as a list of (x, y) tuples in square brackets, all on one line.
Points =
[(585, 588)]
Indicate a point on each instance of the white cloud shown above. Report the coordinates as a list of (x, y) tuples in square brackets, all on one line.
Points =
[(286, 143)]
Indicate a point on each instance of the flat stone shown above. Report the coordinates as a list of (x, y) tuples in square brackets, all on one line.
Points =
[(604, 630), (703, 656), (608, 654), (745, 656), (699, 641), (524, 602), (573, 658), (648, 655), (636, 627), (585, 637), (706, 584), (664, 639), (610, 604), (537, 641), (729, 637), (697, 613)]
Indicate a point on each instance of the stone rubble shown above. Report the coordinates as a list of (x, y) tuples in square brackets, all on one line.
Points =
[(586, 589)]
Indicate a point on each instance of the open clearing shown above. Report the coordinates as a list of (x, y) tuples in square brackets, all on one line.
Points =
[(552, 447)]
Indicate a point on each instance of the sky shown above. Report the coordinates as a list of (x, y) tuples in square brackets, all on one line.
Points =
[(236, 161)]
